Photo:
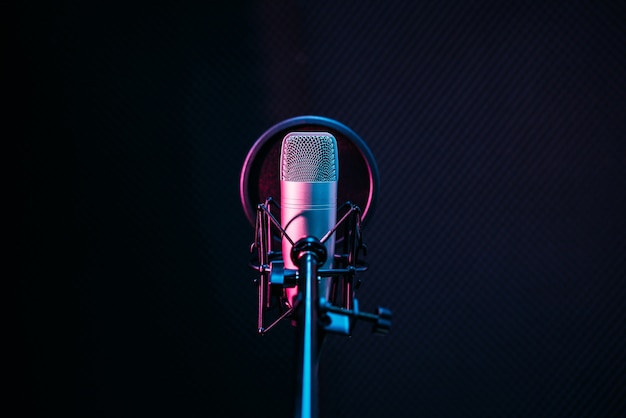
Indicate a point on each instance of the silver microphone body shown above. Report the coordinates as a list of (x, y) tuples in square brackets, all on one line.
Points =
[(309, 175)]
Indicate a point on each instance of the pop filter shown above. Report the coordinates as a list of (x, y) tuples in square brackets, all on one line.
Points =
[(358, 173)]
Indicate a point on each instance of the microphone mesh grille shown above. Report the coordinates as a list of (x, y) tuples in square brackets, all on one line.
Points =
[(309, 157)]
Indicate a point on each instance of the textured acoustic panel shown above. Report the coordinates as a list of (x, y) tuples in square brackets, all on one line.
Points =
[(498, 240)]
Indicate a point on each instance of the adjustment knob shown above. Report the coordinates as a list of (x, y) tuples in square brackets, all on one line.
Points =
[(382, 325)]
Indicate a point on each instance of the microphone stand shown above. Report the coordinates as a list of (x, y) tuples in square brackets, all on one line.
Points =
[(308, 254)]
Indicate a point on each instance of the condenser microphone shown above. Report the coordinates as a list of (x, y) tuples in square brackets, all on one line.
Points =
[(309, 173), (305, 150)]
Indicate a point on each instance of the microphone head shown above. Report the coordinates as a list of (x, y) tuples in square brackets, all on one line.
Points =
[(309, 157), (260, 178)]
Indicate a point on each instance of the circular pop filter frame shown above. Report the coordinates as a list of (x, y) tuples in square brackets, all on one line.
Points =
[(358, 172)]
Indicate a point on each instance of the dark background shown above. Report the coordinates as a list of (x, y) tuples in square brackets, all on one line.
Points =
[(498, 238)]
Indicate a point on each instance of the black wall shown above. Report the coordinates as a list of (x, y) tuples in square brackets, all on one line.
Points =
[(498, 238)]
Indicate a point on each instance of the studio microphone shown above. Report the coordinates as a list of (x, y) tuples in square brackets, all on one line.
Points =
[(307, 281), (309, 174), (295, 165)]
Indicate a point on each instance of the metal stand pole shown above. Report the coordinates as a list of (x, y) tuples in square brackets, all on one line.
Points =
[(308, 254)]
